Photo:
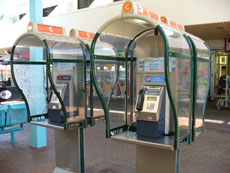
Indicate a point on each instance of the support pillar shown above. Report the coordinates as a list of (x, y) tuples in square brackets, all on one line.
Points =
[(37, 134)]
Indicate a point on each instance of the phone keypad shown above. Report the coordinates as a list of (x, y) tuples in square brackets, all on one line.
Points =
[(150, 106)]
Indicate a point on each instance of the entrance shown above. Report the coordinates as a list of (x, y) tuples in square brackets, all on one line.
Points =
[(221, 70)]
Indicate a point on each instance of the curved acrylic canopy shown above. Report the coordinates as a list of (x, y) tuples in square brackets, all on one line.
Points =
[(176, 48), (36, 60)]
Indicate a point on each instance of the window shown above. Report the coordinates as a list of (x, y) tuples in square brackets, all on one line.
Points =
[(48, 10), (21, 16), (84, 3)]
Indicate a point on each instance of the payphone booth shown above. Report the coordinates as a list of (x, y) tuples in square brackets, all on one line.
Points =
[(95, 112), (167, 74), (48, 69)]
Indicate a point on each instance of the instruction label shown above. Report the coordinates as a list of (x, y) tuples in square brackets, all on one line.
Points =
[(150, 64)]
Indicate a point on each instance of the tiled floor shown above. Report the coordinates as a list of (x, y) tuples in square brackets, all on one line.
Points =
[(209, 154)]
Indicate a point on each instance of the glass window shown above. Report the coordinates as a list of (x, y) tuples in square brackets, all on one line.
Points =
[(65, 50), (177, 42), (202, 50), (30, 48), (202, 81), (118, 43), (31, 78), (48, 10), (84, 3), (202, 91), (180, 80), (21, 16)]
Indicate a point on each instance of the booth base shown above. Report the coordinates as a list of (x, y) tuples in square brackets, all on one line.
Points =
[(59, 170), (152, 154), (155, 160), (67, 147), (67, 150)]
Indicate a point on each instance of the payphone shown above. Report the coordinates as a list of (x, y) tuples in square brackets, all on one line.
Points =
[(163, 69), (150, 109), (65, 80)]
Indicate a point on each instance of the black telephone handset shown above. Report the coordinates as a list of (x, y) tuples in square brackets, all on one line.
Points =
[(49, 95), (141, 98)]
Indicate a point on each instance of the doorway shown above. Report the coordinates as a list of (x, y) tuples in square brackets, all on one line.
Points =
[(222, 62)]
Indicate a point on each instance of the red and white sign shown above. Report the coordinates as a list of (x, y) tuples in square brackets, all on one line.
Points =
[(227, 44), (147, 12), (130, 7), (45, 28), (172, 23), (86, 34), (5, 94), (50, 29)]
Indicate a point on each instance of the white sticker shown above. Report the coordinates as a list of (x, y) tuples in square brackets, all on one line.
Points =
[(6, 94)]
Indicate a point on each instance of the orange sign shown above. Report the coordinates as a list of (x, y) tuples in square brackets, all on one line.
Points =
[(86, 34), (164, 20), (147, 12), (173, 23), (181, 27), (50, 29), (127, 7)]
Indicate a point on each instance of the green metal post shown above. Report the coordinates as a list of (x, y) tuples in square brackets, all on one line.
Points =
[(168, 86), (82, 159), (194, 89), (106, 111)]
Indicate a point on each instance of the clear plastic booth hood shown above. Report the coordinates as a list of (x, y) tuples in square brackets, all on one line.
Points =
[(154, 54), (49, 70)]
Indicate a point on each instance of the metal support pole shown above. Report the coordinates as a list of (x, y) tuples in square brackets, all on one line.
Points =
[(226, 90), (12, 138), (212, 88)]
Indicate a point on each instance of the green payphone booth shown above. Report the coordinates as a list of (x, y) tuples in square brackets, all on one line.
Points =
[(167, 74), (48, 68), (52, 72)]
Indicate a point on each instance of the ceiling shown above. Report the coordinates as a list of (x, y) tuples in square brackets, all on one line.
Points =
[(210, 31)]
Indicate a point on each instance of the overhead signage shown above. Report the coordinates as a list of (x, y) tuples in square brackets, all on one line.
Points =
[(133, 8), (82, 34), (85, 34), (35, 27), (172, 23), (50, 29), (147, 12), (130, 7)]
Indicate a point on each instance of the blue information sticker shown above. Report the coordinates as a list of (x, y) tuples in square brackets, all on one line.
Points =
[(155, 79)]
